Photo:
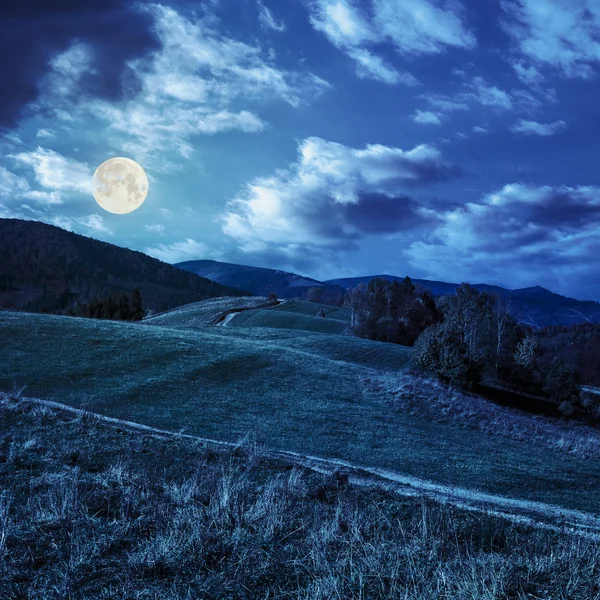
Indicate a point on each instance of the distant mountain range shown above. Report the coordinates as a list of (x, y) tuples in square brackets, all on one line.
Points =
[(262, 281), (43, 267), (533, 305), (46, 267)]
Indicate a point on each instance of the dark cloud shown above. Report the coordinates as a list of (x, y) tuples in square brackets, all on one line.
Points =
[(32, 32), (380, 214)]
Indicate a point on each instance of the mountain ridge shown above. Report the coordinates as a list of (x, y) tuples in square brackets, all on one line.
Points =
[(44, 267)]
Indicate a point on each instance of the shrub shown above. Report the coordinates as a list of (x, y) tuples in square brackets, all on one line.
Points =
[(442, 351)]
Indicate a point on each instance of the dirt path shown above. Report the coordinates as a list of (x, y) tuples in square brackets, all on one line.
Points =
[(536, 514), (225, 320)]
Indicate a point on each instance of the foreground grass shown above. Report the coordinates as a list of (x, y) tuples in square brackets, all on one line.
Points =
[(292, 390), (92, 511)]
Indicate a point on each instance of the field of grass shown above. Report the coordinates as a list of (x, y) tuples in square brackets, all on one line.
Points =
[(296, 314), (292, 390), (89, 510), (281, 319), (206, 312)]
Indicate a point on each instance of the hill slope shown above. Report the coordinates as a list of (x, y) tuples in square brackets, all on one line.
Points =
[(299, 391), (534, 305), (43, 266), (261, 281)]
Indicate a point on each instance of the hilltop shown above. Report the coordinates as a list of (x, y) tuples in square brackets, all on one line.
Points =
[(46, 267)]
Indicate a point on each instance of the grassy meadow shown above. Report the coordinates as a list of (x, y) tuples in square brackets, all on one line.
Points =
[(293, 390), (90, 510)]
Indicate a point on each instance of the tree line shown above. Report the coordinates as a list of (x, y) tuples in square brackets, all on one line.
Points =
[(470, 338), (118, 307)]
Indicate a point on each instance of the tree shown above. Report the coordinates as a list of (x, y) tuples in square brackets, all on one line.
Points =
[(136, 306), (314, 294), (443, 351), (355, 301)]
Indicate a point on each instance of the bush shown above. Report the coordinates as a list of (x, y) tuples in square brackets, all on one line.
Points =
[(561, 383), (443, 352)]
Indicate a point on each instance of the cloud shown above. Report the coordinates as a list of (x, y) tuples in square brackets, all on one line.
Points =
[(535, 128), (155, 228), (11, 185), (412, 28), (332, 196), (426, 117), (528, 74), (189, 249), (113, 28), (193, 85), (45, 134), (557, 33), (95, 223), (487, 95), (479, 92), (478, 129), (57, 172), (266, 18), (422, 26), (515, 233)]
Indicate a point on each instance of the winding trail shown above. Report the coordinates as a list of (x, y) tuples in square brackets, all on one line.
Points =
[(535, 514)]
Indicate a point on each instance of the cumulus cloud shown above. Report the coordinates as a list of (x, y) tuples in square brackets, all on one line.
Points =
[(56, 172), (332, 196), (558, 33), (189, 249), (514, 233), (412, 28), (535, 128), (267, 20), (426, 117), (193, 85)]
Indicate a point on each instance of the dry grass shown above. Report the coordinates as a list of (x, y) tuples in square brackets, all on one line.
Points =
[(93, 511), (427, 397)]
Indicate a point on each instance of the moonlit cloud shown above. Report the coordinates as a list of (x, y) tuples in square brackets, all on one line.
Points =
[(557, 33), (57, 172), (520, 230), (155, 228), (535, 128), (96, 224), (267, 20), (189, 249), (412, 28), (332, 196), (11, 185), (186, 89), (426, 117)]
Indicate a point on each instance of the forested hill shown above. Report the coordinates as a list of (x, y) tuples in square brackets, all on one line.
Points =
[(43, 267), (262, 281), (536, 306)]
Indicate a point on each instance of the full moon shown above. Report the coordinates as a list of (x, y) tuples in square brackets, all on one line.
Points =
[(120, 185)]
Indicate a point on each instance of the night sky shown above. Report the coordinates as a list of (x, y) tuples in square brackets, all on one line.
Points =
[(436, 138)]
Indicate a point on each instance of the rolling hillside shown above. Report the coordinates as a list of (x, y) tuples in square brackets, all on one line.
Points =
[(534, 305), (293, 390), (262, 282), (256, 311), (46, 267)]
